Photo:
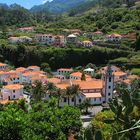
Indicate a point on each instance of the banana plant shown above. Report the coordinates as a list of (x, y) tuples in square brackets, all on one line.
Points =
[(123, 108)]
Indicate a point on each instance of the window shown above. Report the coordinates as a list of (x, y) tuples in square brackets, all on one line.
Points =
[(79, 100), (72, 99), (109, 87), (109, 94), (109, 79), (13, 91), (14, 96), (94, 99), (65, 99), (100, 99)]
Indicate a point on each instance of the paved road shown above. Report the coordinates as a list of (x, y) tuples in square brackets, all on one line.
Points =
[(87, 118)]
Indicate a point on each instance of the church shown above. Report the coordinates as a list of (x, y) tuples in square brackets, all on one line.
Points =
[(98, 91)]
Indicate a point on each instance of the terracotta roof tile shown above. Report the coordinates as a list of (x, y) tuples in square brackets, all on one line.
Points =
[(13, 86)]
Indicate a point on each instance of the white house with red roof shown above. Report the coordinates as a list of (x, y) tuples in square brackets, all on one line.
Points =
[(114, 37), (26, 29), (98, 33), (78, 75), (87, 43), (59, 40), (45, 39), (20, 39), (12, 92)]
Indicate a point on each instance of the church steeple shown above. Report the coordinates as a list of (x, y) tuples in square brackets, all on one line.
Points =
[(108, 83)]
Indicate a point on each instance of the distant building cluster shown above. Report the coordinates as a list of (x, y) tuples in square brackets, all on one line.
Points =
[(68, 36), (98, 91)]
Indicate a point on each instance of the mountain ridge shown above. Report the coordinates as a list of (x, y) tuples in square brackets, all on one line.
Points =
[(59, 6)]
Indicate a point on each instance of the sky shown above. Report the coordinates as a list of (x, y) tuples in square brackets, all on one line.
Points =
[(25, 3)]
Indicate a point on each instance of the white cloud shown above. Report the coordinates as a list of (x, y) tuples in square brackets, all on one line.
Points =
[(44, 1)]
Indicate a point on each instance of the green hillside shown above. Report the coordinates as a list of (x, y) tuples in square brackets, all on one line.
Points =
[(121, 20)]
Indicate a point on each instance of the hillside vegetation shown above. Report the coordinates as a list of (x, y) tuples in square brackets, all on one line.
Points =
[(121, 20), (108, 20)]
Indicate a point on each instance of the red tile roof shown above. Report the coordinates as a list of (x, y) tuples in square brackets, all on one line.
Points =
[(13, 86)]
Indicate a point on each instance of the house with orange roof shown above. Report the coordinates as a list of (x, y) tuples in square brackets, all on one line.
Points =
[(129, 80), (39, 77), (75, 31), (31, 76), (34, 68), (20, 39), (26, 29), (78, 75), (87, 43), (120, 75), (11, 77), (21, 69), (59, 40), (54, 80), (12, 92), (114, 37), (98, 33)]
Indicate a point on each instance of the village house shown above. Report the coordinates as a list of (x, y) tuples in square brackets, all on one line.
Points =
[(113, 68), (22, 75), (59, 40), (64, 71), (20, 39), (12, 79), (120, 75), (114, 38), (26, 29), (78, 75), (97, 34), (61, 77), (12, 92), (32, 76), (129, 80), (45, 39), (33, 68), (54, 80), (3, 66), (73, 31), (87, 43), (89, 71), (71, 38)]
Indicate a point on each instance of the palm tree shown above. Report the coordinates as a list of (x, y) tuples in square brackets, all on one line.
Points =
[(72, 92), (37, 92), (51, 89), (86, 105), (59, 93)]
